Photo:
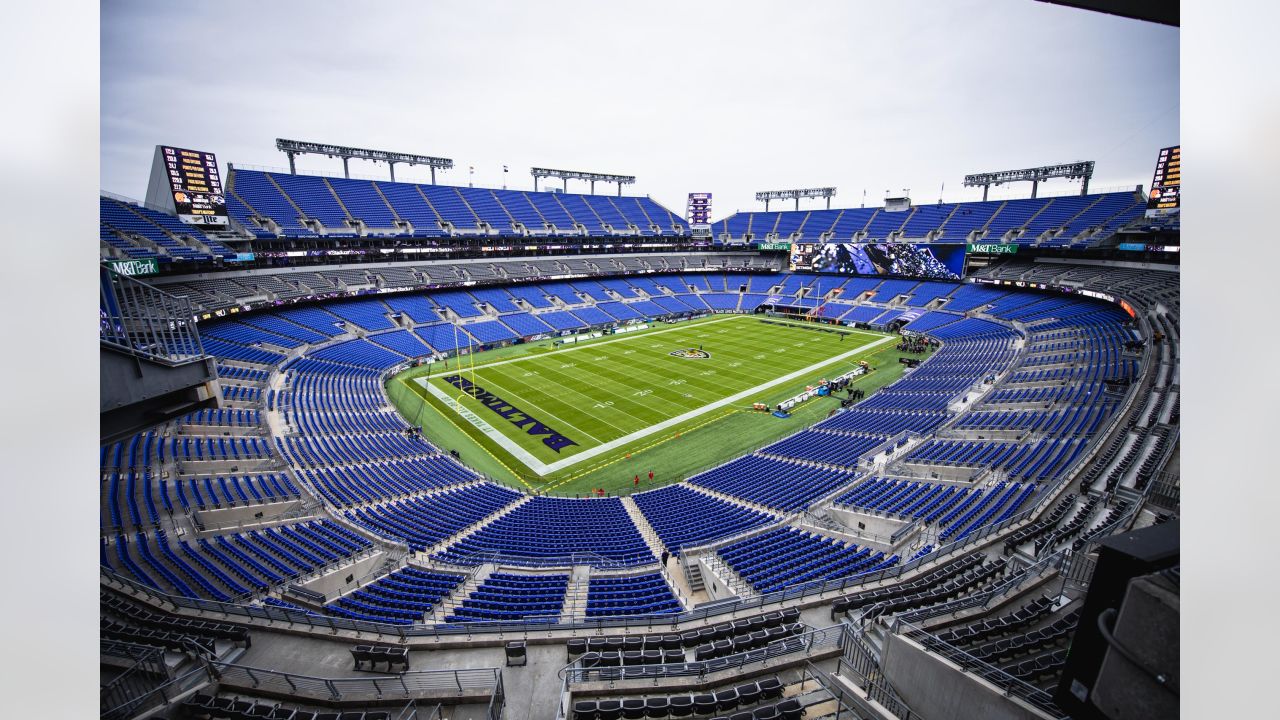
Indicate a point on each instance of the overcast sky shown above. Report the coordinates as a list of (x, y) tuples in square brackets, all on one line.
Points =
[(721, 97)]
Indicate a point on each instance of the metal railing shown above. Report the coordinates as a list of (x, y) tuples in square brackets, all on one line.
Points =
[(1078, 570), (1165, 491), (142, 321), (414, 685), (126, 699), (501, 559), (810, 644), (145, 674), (983, 599), (860, 664), (846, 702), (1008, 684)]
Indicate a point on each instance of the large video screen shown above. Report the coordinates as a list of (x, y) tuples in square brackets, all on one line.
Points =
[(1166, 182), (935, 262), (195, 185)]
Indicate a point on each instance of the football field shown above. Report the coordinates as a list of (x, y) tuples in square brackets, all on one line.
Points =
[(552, 414)]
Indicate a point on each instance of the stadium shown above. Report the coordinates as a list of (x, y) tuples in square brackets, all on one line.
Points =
[(398, 448)]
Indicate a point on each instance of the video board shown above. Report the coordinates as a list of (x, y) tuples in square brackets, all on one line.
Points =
[(194, 185), (1166, 182), (699, 209), (934, 262)]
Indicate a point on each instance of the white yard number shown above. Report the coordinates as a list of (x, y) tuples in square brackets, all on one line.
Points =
[(641, 393), (676, 382), (605, 404), (568, 365), (758, 357), (734, 364)]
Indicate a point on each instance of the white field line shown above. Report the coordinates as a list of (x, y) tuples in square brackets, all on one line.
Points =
[(542, 373), (541, 410), (629, 336), (642, 335), (549, 373), (495, 435), (541, 468), (544, 376)]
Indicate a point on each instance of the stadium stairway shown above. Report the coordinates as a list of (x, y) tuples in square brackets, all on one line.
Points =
[(642, 524), (476, 527), (676, 580), (733, 499), (454, 599), (575, 596), (285, 195), (727, 575)]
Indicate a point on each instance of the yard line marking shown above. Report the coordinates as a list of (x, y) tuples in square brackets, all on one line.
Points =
[(615, 339), (542, 468), (640, 422), (501, 462), (492, 433), (546, 374), (524, 400)]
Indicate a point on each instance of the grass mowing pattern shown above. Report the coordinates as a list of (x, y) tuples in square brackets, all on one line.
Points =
[(607, 389)]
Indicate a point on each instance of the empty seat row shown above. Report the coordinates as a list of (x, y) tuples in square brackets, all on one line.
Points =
[(700, 704)]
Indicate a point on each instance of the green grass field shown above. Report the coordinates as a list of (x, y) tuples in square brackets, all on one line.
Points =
[(598, 413)]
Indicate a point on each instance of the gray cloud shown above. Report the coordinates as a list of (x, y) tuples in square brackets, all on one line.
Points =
[(727, 97)]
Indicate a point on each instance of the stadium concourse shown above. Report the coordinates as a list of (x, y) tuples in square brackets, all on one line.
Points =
[(302, 550)]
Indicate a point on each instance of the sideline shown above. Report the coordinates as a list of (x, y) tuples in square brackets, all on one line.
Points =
[(543, 469)]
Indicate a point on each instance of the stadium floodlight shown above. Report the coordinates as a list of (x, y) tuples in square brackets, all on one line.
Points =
[(1082, 170), (567, 175), (823, 192), (296, 147)]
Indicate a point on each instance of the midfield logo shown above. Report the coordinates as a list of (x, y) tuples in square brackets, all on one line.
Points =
[(690, 354)]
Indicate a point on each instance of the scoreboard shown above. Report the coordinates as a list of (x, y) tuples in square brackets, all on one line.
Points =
[(698, 212), (1166, 183), (188, 184)]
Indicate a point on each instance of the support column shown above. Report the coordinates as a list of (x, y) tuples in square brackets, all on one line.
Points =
[(346, 172), (619, 189), (566, 184), (828, 202), (985, 188), (593, 187), (797, 202), (1084, 186), (292, 171), (535, 183), (766, 206), (1035, 185), (433, 174), (393, 170)]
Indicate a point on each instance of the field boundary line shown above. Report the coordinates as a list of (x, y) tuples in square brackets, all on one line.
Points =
[(544, 469), (627, 336), (480, 445)]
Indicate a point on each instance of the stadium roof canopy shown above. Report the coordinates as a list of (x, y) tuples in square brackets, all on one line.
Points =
[(1165, 13)]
